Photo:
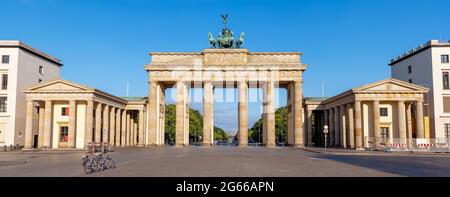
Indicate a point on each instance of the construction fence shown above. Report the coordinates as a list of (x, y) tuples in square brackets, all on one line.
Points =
[(437, 145)]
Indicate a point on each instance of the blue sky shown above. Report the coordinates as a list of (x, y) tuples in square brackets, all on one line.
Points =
[(346, 43)]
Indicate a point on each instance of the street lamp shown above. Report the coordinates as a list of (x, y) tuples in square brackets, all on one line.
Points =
[(325, 131)]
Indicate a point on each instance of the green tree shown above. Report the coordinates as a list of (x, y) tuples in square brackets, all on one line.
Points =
[(280, 127), (195, 125)]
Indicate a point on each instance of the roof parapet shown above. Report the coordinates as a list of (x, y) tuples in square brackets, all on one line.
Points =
[(418, 49)]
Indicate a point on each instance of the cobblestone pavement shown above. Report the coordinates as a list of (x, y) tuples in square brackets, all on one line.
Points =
[(226, 162)]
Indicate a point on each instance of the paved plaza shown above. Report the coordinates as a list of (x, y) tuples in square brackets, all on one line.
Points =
[(229, 162)]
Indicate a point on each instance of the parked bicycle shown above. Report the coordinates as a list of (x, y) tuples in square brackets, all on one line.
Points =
[(97, 158)]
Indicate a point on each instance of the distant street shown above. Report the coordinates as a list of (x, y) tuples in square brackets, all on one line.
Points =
[(228, 162)]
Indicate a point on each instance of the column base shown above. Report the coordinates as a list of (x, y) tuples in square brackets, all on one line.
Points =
[(207, 145), (243, 145), (270, 146), (299, 146)]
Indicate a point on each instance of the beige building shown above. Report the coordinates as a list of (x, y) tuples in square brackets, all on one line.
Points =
[(230, 68), (63, 114), (358, 117), (20, 66)]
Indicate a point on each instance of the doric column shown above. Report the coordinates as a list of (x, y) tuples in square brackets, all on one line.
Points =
[(270, 113), (29, 125), (89, 127), (343, 123), (181, 115), (98, 122), (141, 128), (118, 126), (105, 123), (298, 114), (112, 122), (331, 126), (128, 129), (153, 115), (243, 113), (208, 126), (376, 119), (337, 127), (351, 126), (135, 133), (408, 121), (419, 120), (124, 128), (72, 123), (309, 119), (48, 124), (325, 118), (401, 120), (358, 125), (41, 125)]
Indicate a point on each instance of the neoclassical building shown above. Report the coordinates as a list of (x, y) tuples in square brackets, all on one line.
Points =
[(64, 114), (390, 109), (231, 68)]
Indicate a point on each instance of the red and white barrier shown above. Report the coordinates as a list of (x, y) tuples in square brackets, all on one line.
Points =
[(426, 145), (398, 145)]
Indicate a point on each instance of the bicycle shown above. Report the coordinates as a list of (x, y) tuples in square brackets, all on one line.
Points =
[(104, 161), (90, 164), (97, 158)]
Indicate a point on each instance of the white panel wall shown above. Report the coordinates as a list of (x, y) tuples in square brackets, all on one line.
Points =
[(80, 126), (58, 120), (8, 118)]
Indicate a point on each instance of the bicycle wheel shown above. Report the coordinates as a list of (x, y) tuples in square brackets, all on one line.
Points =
[(87, 167), (109, 163)]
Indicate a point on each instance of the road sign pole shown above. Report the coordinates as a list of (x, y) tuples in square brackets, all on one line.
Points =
[(325, 131)]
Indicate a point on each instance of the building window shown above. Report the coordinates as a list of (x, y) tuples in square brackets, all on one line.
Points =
[(39, 80), (444, 59), (3, 104), (383, 112), (446, 103), (409, 69), (41, 70), (64, 134), (5, 59), (447, 130), (4, 81), (410, 80), (445, 80), (64, 111)]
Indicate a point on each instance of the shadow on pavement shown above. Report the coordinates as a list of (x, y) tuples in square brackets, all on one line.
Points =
[(401, 165)]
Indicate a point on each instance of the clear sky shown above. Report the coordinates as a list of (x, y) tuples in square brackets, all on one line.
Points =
[(105, 43)]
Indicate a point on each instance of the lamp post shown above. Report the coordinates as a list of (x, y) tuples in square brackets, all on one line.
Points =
[(325, 131)]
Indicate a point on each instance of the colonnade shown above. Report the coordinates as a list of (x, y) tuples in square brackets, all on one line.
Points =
[(182, 112), (347, 127), (87, 121)]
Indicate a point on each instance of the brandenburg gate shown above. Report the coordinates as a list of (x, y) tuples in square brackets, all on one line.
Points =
[(230, 67), (224, 64)]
